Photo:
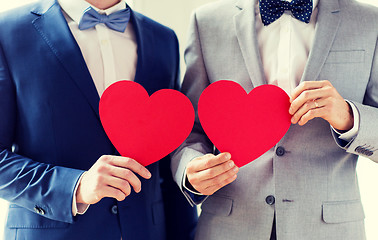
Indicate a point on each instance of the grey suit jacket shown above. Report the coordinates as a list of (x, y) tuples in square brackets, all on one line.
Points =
[(313, 178)]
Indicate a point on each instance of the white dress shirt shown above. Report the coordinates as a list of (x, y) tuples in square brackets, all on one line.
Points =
[(284, 47), (110, 55)]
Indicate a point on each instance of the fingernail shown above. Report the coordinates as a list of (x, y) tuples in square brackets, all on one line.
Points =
[(231, 164), (236, 169), (149, 175)]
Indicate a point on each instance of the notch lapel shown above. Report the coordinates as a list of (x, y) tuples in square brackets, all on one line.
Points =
[(146, 52), (54, 30), (246, 35), (326, 28)]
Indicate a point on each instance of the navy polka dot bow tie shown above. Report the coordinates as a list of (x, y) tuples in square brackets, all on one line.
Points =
[(271, 10)]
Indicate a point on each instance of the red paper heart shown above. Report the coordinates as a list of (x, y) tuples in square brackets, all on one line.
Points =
[(245, 125), (145, 128)]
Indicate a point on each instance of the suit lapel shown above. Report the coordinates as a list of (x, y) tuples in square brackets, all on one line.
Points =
[(245, 28), (145, 41), (326, 28), (53, 28)]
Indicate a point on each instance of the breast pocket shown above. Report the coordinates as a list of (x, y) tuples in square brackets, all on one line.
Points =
[(342, 57), (348, 72)]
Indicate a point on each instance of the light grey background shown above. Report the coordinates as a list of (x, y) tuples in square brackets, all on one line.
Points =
[(175, 14)]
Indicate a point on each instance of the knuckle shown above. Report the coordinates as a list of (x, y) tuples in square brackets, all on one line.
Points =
[(211, 172), (227, 181), (127, 161), (327, 83), (330, 89), (99, 180), (207, 163), (127, 173), (102, 168), (193, 180), (190, 168), (306, 94), (216, 181), (106, 158), (230, 175), (226, 166)]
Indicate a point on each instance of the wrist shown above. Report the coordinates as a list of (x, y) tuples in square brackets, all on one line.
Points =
[(348, 120), (79, 192)]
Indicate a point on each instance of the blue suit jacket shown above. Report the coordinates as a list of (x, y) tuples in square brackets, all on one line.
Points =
[(50, 131)]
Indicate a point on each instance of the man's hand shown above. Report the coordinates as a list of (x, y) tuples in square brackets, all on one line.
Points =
[(313, 99), (110, 176), (209, 173)]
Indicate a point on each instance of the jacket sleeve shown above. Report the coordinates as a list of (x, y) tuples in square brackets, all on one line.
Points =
[(195, 81), (366, 141), (43, 188)]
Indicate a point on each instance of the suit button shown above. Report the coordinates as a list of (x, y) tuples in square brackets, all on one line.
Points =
[(280, 151), (358, 149), (364, 151), (270, 200), (39, 210), (114, 209)]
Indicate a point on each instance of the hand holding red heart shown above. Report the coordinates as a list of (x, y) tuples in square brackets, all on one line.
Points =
[(208, 173), (313, 99), (110, 176)]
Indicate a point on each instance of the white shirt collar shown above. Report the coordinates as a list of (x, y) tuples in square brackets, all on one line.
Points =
[(75, 8)]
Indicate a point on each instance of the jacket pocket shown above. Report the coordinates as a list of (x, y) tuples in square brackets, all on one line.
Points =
[(19, 217), (347, 56), (343, 211), (218, 205)]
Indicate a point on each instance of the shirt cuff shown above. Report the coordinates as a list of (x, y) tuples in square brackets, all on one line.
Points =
[(352, 133), (78, 208), (184, 184), (196, 197)]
